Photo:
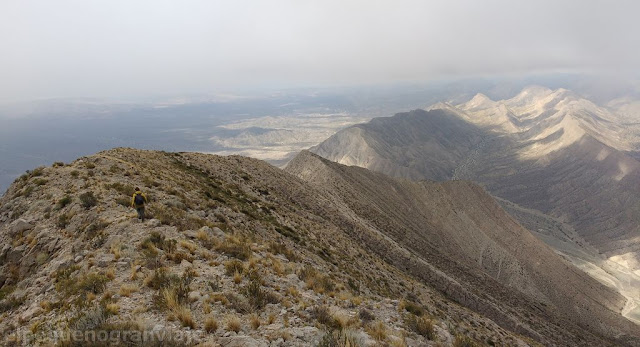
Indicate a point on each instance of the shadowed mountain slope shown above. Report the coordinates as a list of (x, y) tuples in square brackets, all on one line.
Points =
[(543, 149)]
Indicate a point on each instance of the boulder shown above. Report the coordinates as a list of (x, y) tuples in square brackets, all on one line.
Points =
[(4, 251), (218, 232), (18, 226), (16, 253), (194, 296), (31, 312), (190, 234), (154, 223)]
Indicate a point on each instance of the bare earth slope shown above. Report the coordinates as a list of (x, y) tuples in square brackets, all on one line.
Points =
[(239, 252)]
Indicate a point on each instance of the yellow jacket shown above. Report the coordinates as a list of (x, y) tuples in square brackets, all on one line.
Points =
[(133, 198)]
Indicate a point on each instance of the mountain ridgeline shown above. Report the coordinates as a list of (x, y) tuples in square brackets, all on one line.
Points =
[(546, 150), (238, 252)]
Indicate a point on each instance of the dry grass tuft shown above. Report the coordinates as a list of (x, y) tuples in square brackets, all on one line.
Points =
[(112, 308), (377, 331), (464, 341), (188, 245), (183, 314), (210, 325), (255, 321), (116, 249), (237, 278), (127, 290), (234, 324), (111, 273)]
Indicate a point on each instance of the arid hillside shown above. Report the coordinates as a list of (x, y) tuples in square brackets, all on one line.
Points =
[(238, 252), (546, 150)]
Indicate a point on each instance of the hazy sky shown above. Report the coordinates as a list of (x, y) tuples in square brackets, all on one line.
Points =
[(121, 48)]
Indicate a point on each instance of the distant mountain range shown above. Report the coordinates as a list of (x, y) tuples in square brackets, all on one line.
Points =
[(546, 150)]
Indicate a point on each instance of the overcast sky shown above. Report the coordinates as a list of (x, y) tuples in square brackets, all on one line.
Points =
[(114, 48)]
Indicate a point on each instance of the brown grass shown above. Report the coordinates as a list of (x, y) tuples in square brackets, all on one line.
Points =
[(234, 324), (127, 290), (255, 321), (210, 325), (377, 331), (183, 314), (237, 278), (113, 308), (111, 273)]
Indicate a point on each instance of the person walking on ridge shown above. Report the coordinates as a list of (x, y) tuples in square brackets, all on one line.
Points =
[(137, 201)]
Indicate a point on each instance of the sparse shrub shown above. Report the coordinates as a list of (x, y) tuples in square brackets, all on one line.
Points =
[(377, 331), (238, 303), (157, 240), (88, 200), (93, 229), (235, 247), (464, 341), (288, 232), (58, 164), (173, 291), (293, 292), (11, 303), (42, 258), (62, 203), (26, 192), (188, 245), (40, 181), (37, 172), (421, 325), (323, 316), (340, 338), (63, 221), (148, 182), (168, 215), (412, 307), (160, 278), (233, 266), (75, 173), (366, 316), (122, 188), (281, 248), (257, 296), (214, 284), (93, 282), (178, 257), (122, 201), (320, 283)]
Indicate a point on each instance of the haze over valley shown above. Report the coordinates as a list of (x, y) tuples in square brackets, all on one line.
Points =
[(319, 173)]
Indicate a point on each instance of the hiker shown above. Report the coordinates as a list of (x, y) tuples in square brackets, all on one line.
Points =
[(137, 201)]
